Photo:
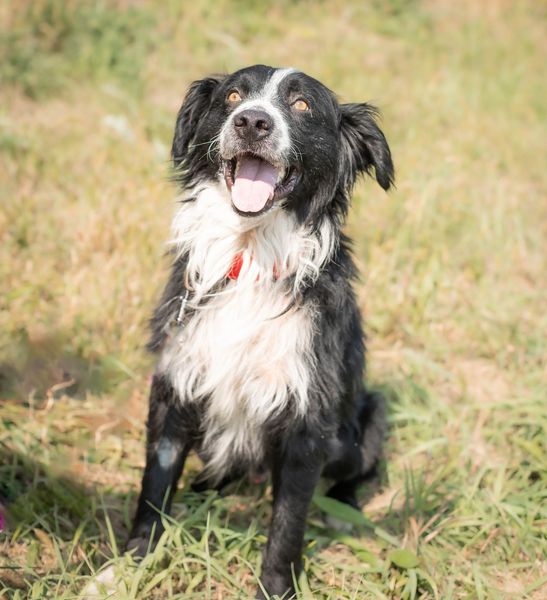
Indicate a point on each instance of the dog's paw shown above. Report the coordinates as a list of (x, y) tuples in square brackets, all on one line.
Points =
[(104, 584), (139, 546), (338, 524), (275, 586)]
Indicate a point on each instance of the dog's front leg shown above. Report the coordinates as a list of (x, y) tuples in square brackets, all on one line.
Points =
[(295, 474), (166, 449)]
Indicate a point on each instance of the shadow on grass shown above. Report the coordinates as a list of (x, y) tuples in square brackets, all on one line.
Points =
[(50, 363), (426, 493), (57, 523), (48, 514), (51, 512)]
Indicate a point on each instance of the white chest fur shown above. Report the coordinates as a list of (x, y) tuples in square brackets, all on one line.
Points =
[(248, 364), (238, 350)]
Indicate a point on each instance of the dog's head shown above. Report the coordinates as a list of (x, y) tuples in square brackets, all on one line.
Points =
[(277, 137)]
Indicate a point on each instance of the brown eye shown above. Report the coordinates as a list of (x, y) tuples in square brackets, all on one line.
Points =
[(234, 97), (301, 105)]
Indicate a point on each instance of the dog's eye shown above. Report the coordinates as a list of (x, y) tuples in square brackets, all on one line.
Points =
[(234, 97), (301, 105)]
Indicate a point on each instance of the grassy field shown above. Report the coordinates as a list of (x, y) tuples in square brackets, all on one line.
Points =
[(453, 289)]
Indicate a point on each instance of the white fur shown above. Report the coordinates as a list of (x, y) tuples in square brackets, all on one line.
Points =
[(238, 349), (212, 233), (265, 100), (103, 585), (167, 452)]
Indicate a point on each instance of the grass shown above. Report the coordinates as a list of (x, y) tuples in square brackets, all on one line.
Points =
[(453, 291)]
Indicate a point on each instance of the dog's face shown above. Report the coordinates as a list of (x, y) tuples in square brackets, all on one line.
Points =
[(277, 137)]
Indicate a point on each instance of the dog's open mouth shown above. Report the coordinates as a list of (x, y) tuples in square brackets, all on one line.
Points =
[(255, 183)]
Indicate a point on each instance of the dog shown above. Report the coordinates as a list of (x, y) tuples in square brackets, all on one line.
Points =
[(259, 342)]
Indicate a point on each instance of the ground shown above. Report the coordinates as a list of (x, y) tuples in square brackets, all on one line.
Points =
[(453, 290)]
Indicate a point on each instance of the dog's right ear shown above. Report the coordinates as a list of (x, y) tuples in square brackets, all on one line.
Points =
[(194, 106), (365, 146)]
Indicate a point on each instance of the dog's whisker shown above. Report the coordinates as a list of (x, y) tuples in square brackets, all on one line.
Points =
[(213, 139), (211, 148)]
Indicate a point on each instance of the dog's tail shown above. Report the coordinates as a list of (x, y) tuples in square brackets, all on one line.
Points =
[(373, 421), (371, 467)]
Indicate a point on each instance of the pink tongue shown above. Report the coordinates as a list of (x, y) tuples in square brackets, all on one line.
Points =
[(254, 184)]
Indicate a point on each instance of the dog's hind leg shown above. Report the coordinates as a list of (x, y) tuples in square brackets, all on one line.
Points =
[(358, 454), (168, 444), (202, 483), (256, 476)]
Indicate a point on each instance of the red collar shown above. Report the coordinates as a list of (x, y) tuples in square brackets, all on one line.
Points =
[(237, 263)]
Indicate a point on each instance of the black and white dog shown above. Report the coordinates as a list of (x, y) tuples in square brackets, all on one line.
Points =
[(258, 335)]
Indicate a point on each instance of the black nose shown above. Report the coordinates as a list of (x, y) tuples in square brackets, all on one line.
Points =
[(253, 125)]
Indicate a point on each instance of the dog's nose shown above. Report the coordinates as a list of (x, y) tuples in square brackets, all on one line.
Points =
[(253, 125)]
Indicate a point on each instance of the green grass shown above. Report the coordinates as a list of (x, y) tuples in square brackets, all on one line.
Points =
[(453, 291)]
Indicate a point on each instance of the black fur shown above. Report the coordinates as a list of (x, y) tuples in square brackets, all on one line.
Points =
[(341, 435)]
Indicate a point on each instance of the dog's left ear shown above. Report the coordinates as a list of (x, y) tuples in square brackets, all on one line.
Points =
[(194, 106), (365, 146)]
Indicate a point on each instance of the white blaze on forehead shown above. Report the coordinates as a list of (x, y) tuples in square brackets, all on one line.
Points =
[(263, 99), (271, 86)]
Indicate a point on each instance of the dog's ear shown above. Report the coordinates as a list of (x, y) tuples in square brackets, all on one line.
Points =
[(365, 146), (194, 106)]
